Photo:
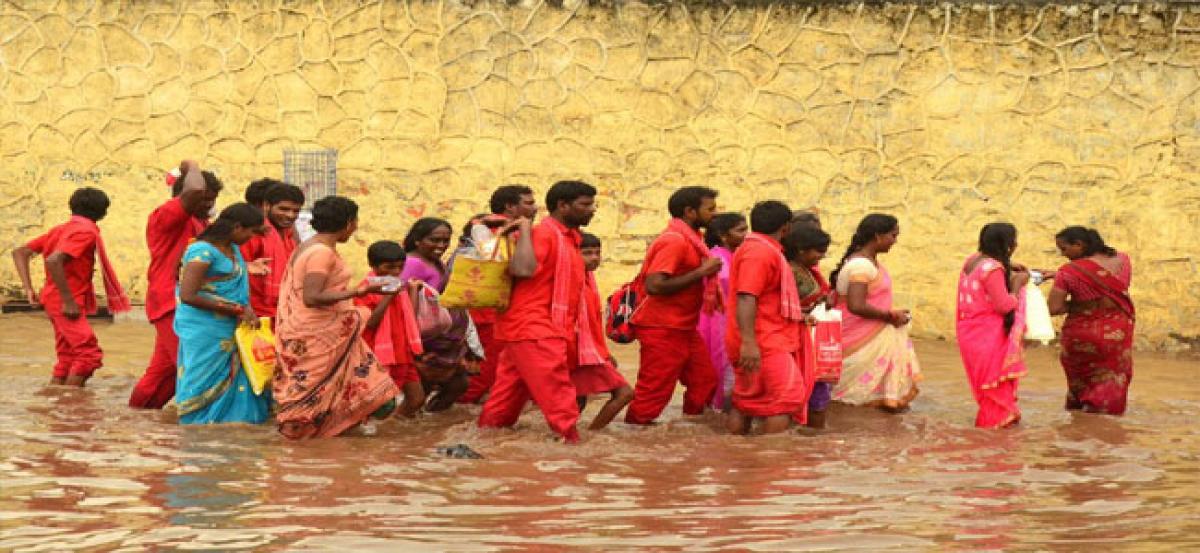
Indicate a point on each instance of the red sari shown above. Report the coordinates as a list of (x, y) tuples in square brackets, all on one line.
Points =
[(1097, 340)]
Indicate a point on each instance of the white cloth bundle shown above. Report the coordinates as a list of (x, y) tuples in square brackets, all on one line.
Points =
[(1037, 316)]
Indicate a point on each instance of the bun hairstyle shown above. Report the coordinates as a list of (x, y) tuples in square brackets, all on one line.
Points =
[(240, 214), (1092, 242), (996, 240), (868, 228)]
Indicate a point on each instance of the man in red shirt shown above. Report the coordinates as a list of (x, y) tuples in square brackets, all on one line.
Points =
[(272, 250), (679, 277), (70, 250), (539, 326), (508, 203), (763, 340), (169, 230)]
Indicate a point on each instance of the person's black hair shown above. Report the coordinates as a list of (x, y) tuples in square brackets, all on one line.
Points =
[(256, 193), (689, 196), (721, 223), (211, 183), (385, 251), (997, 240), (589, 240), (1092, 242), (89, 202), (806, 218), (509, 194), (802, 237), (240, 214), (769, 216), (567, 191), (869, 227), (284, 192), (333, 214), (422, 228)]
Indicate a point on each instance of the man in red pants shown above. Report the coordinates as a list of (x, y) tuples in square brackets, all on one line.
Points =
[(679, 279), (168, 231), (70, 251), (537, 330), (508, 203)]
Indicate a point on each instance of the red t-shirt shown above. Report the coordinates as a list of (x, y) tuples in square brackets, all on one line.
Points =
[(673, 255), (76, 239), (757, 271), (528, 314), (169, 230), (264, 289)]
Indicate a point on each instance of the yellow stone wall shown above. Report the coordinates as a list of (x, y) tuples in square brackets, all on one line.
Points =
[(948, 117)]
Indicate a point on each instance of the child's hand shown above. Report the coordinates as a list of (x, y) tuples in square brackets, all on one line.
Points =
[(259, 267)]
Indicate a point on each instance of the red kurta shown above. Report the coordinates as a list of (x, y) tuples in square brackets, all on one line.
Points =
[(278, 247)]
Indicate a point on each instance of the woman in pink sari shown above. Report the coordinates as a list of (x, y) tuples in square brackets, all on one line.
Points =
[(990, 322), (879, 366), (327, 380), (1097, 337), (723, 236)]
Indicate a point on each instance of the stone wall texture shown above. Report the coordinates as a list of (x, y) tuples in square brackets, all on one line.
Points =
[(947, 116)]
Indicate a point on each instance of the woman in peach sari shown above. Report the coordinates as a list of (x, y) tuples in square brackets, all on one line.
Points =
[(327, 380), (879, 366), (990, 322)]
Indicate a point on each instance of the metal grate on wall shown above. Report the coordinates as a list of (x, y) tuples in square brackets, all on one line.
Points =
[(315, 171)]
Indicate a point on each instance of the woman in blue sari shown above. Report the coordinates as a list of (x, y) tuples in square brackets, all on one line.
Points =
[(213, 297)]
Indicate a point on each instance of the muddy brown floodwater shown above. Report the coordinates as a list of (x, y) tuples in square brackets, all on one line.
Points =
[(80, 471)]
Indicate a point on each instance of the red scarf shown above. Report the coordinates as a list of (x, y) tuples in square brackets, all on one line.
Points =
[(118, 302), (591, 352), (712, 289), (398, 326), (567, 251), (789, 298)]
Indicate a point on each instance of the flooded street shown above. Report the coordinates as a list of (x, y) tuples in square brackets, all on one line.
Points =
[(81, 471)]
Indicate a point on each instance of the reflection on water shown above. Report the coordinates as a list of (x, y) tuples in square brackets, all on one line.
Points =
[(81, 471)]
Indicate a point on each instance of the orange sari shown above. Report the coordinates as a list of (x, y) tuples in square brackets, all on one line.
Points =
[(327, 380)]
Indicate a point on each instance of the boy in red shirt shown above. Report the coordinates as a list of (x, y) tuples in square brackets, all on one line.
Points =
[(538, 329), (272, 250), (680, 280), (764, 344), (70, 250), (508, 203), (392, 330), (596, 369), (169, 230)]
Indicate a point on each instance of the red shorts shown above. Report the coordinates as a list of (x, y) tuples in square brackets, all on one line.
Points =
[(596, 379)]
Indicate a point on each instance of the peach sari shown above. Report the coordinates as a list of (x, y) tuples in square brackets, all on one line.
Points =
[(327, 380)]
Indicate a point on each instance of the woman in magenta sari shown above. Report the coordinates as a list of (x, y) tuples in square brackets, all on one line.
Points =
[(724, 234), (1092, 289), (990, 322)]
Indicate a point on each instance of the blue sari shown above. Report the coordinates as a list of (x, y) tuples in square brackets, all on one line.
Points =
[(211, 386)]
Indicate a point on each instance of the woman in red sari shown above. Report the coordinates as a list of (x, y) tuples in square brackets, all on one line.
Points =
[(1097, 337)]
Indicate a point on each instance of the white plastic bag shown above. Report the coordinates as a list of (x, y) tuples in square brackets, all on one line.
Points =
[(1037, 316)]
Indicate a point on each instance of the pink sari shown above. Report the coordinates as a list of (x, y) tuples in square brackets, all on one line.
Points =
[(327, 380), (712, 331), (994, 359)]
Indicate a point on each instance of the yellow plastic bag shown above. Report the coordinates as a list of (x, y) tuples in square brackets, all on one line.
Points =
[(256, 349), (477, 283)]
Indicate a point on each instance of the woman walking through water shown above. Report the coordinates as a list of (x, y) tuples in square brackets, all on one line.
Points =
[(990, 323), (1092, 289), (879, 367), (327, 380), (214, 296), (724, 234)]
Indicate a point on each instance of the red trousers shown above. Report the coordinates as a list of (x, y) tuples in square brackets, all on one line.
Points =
[(157, 385), (479, 384), (79, 352), (669, 356), (537, 369)]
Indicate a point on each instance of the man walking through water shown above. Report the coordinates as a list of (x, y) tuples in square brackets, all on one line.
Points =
[(679, 277), (168, 231), (508, 203), (537, 330)]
